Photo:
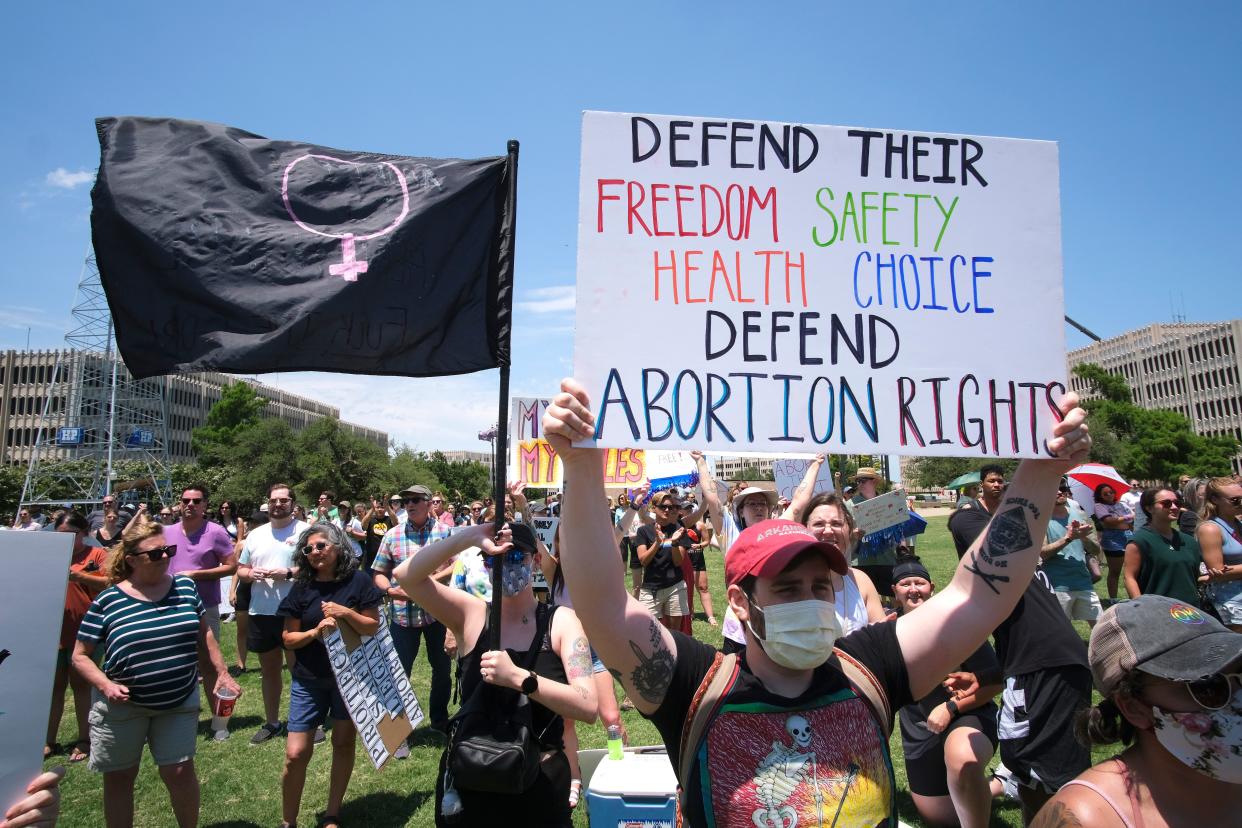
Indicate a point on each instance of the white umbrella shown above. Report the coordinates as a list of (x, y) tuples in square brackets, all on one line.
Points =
[(1084, 480)]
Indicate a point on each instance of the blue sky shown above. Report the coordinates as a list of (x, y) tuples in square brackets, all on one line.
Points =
[(1142, 97)]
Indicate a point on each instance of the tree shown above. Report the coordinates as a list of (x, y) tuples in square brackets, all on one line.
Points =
[(12, 478), (749, 473), (460, 479), (239, 409), (406, 467), (1154, 445), (934, 472), (329, 458)]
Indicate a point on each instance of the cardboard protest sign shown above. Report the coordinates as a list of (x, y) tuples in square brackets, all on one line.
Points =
[(531, 458), (33, 606), (827, 289), (789, 471), (881, 512), (375, 688)]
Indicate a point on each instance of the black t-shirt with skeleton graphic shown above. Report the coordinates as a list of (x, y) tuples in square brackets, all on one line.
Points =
[(771, 760)]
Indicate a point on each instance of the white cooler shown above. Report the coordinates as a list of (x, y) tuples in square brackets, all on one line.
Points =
[(639, 790)]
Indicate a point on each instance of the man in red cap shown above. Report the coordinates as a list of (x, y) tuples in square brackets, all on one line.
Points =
[(798, 733)]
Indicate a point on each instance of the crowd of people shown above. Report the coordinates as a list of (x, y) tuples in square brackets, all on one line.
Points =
[(828, 637)]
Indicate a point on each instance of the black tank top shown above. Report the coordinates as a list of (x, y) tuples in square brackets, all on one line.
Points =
[(548, 726)]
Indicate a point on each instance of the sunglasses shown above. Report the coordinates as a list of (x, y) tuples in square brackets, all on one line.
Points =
[(156, 553), (189, 500), (1167, 503), (414, 500), (1214, 692), (436, 500), (317, 546), (666, 505), (514, 556)]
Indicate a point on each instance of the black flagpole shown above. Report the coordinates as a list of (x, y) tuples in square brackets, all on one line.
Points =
[(500, 456)]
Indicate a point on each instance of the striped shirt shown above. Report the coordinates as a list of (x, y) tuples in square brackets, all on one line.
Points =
[(151, 647)]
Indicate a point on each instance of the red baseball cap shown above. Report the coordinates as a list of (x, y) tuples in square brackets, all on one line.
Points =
[(767, 547)]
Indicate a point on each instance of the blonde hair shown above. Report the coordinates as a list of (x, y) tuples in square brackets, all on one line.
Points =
[(1215, 489), (136, 531)]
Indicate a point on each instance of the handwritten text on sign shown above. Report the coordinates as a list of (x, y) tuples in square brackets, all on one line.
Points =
[(821, 288), (533, 461), (375, 689)]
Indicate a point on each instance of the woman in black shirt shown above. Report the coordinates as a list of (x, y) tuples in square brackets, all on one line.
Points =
[(560, 682), (328, 590)]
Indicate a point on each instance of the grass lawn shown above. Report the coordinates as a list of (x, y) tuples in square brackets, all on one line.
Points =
[(241, 784)]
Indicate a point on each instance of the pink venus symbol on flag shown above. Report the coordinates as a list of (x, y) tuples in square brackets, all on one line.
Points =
[(350, 265)]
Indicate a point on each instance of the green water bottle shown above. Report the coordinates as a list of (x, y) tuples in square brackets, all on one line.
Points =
[(615, 749)]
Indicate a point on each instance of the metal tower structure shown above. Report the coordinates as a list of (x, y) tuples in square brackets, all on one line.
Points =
[(100, 431)]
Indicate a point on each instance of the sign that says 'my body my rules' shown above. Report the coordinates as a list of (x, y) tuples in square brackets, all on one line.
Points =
[(802, 289)]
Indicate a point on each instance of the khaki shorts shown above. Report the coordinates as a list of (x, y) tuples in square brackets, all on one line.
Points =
[(1080, 604), (666, 602), (212, 617), (119, 731)]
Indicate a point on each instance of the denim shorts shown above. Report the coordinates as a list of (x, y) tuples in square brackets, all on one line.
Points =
[(597, 665), (311, 701)]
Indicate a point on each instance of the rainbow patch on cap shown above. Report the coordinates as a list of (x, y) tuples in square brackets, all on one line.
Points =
[(1186, 614)]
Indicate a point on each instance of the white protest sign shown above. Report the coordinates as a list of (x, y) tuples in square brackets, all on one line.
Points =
[(33, 605), (828, 289), (375, 689), (545, 530), (789, 471), (881, 512)]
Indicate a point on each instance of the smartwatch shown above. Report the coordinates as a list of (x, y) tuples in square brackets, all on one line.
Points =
[(951, 706), (530, 684)]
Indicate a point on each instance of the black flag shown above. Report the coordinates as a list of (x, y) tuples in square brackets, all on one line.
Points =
[(221, 250)]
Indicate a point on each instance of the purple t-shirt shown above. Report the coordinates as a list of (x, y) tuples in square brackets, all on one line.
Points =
[(209, 548)]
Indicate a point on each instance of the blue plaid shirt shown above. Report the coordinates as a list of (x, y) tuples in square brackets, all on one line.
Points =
[(399, 544)]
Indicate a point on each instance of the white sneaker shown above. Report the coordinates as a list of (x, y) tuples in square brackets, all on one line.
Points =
[(221, 735), (403, 752)]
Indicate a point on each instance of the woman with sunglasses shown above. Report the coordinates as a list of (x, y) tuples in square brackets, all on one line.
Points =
[(560, 683), (1220, 541), (328, 590), (1169, 677), (232, 523), (152, 628), (1160, 558)]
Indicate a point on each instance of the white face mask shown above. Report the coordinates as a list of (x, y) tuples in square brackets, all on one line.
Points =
[(1209, 741), (800, 635)]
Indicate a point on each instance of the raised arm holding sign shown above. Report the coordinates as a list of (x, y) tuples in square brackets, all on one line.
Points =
[(821, 268)]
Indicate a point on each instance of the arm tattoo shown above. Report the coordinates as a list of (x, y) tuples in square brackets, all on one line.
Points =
[(1056, 815), (654, 673), (578, 665), (1006, 534), (1022, 501)]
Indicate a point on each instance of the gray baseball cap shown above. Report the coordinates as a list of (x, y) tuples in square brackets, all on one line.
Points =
[(1162, 637)]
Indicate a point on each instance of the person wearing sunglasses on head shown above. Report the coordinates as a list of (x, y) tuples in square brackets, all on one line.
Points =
[(1220, 541), (1160, 558), (411, 625), (1169, 675), (546, 640), (328, 591), (152, 628)]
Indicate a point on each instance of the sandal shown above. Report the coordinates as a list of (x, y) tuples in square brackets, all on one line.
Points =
[(78, 754), (51, 750), (575, 792)]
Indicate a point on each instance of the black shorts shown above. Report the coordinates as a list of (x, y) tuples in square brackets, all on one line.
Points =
[(264, 633), (1036, 726), (242, 604), (881, 576), (635, 563), (926, 773), (697, 560)]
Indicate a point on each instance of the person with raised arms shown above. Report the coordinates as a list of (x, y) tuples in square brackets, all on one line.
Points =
[(792, 729), (543, 655)]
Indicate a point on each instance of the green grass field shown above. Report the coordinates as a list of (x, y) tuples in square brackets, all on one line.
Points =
[(241, 784)]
